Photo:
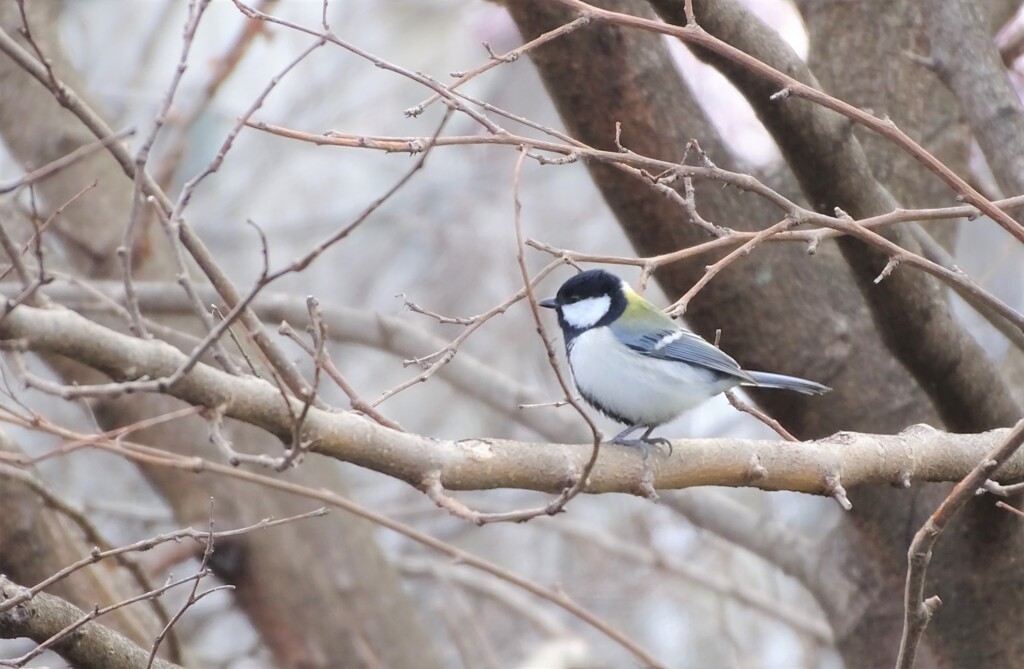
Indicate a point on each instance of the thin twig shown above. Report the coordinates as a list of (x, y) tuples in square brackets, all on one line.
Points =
[(324, 360), (679, 307), (144, 545), (148, 455), (95, 538), (222, 68), (63, 162), (918, 610), (496, 60), (694, 34), (834, 226), (195, 246), (775, 425)]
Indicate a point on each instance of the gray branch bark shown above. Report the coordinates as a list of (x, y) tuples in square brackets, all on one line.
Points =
[(91, 646)]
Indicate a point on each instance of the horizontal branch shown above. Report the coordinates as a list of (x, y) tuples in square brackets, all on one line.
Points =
[(817, 467)]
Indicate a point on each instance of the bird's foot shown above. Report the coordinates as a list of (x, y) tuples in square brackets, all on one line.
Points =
[(644, 444), (660, 442)]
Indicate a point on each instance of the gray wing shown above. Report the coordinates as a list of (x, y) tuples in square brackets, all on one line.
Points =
[(682, 346)]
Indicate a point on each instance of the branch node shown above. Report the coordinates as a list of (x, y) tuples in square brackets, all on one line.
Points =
[(812, 245), (930, 606), (842, 215), (893, 263), (834, 488), (755, 470)]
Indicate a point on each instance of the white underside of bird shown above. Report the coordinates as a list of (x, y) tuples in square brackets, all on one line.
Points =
[(643, 390)]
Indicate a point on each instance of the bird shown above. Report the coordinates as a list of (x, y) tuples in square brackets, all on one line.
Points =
[(637, 366)]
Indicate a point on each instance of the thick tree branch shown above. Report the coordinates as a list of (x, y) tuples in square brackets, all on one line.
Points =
[(966, 59), (90, 646), (812, 467)]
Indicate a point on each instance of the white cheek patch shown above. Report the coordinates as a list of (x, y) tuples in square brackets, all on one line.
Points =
[(585, 313)]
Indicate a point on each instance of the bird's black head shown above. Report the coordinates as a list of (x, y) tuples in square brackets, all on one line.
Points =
[(588, 300)]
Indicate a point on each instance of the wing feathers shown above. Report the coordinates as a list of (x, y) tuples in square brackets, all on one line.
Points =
[(682, 346)]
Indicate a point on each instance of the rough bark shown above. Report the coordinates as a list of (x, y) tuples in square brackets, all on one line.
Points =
[(91, 646), (963, 54), (37, 541)]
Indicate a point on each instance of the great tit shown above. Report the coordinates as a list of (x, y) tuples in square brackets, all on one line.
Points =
[(636, 365)]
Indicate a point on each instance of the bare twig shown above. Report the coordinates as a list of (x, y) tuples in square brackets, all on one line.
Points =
[(195, 246), (194, 596), (50, 618), (918, 610), (215, 419), (141, 453), (63, 162), (146, 544), (432, 362), (740, 405), (222, 68), (496, 60), (679, 307), (93, 537), (57, 638), (835, 225), (322, 358), (124, 252)]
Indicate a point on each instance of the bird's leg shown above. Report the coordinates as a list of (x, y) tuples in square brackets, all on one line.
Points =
[(620, 438)]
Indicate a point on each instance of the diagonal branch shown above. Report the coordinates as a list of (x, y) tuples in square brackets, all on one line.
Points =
[(918, 610), (92, 646), (980, 84), (833, 169)]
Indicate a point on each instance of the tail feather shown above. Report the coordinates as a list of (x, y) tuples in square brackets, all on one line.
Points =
[(768, 380)]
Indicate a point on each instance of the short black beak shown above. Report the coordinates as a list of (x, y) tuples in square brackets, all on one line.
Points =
[(548, 303)]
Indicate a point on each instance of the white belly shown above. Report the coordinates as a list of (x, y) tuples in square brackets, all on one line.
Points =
[(636, 388)]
